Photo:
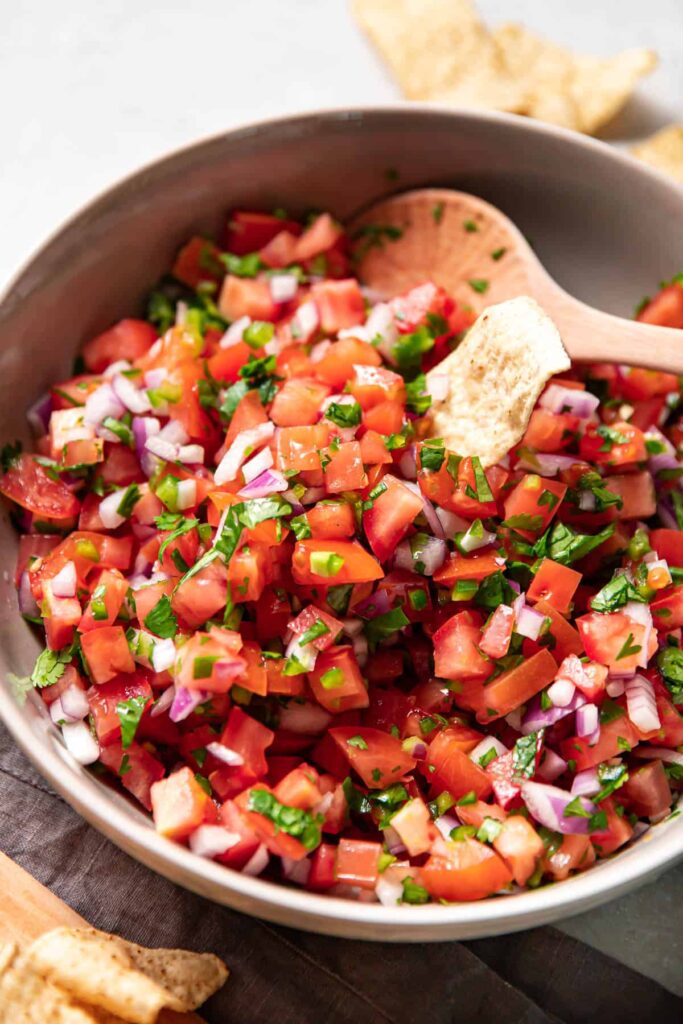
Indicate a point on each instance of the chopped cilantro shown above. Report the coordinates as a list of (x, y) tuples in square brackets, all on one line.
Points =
[(129, 712), (161, 619)]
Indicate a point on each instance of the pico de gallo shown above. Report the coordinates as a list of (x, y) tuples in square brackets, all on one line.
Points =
[(314, 643)]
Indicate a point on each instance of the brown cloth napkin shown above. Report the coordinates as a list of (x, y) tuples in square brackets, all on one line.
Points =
[(288, 977)]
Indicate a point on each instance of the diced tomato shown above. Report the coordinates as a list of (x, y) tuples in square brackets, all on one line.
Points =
[(340, 304), (497, 633), (448, 767), (532, 504), (469, 870), (337, 364), (249, 739), (322, 234), (358, 862), (616, 736), (618, 444), (331, 519), (413, 308), (668, 544), (325, 626), (298, 448), (670, 733), (550, 431), (323, 864), (615, 640), (107, 594), (520, 846), (198, 261), (106, 652), (298, 402), (646, 792), (510, 689), (136, 768), (637, 492), (574, 854), (28, 484), (242, 296), (554, 583), (377, 756), (666, 309), (390, 516), (619, 831), (566, 639), (343, 468), (128, 339), (457, 649), (587, 676), (468, 567), (331, 562), (250, 230), (336, 680), (371, 385), (178, 804)]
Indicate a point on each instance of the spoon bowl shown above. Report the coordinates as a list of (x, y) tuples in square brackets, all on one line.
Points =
[(480, 257)]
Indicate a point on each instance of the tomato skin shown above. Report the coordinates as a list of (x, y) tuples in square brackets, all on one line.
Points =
[(637, 492), (337, 365), (350, 692), (412, 308), (497, 633), (550, 431), (27, 484), (456, 649), (667, 609), (574, 854), (510, 689), (178, 804), (106, 653), (197, 261), (468, 567), (668, 544), (520, 846), (331, 520), (392, 513), (671, 732), (248, 738), (528, 501), (380, 762), (469, 871), (340, 304), (128, 339), (554, 583), (344, 471), (322, 235), (613, 736), (116, 588), (374, 384), (619, 831), (606, 452), (604, 636), (323, 864), (449, 768), (666, 309), (358, 862), (298, 402), (298, 448), (567, 639), (646, 792), (358, 566), (241, 296), (142, 769), (249, 230)]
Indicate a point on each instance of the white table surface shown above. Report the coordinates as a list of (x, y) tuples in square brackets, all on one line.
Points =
[(91, 90)]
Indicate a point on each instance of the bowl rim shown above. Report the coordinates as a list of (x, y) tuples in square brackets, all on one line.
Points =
[(272, 900)]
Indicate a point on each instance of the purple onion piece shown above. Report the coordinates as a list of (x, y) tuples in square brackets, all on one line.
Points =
[(185, 701), (538, 718), (548, 804)]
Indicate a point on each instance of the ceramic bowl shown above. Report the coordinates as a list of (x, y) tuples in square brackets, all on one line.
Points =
[(607, 228)]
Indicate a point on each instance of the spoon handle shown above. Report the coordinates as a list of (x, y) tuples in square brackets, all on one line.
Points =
[(589, 335)]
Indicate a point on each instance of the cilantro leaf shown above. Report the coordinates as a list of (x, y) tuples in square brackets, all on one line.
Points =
[(670, 664), (51, 665), (383, 626), (9, 455), (344, 414), (302, 825), (161, 619), (129, 713)]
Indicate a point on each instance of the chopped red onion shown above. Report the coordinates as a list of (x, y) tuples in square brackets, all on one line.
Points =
[(547, 804), (615, 687), (271, 481), (108, 510), (257, 863), (38, 415), (291, 498), (551, 765), (154, 378), (283, 287), (64, 583), (558, 399), (373, 605), (163, 449), (305, 719), (451, 522), (241, 447), (393, 841), (80, 742), (407, 463), (433, 521), (212, 840), (641, 704), (102, 403), (586, 783), (546, 465), (561, 692), (666, 514), (381, 325), (59, 715), (660, 754), (74, 703), (134, 400), (484, 746), (320, 350), (185, 701), (446, 823), (529, 623), (163, 703), (225, 754), (312, 494), (235, 332), (537, 718), (437, 386), (588, 723), (255, 466)]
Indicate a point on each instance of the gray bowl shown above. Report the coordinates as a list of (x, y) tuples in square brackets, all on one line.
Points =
[(607, 228)]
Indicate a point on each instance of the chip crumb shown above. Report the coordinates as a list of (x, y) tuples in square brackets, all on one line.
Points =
[(664, 151)]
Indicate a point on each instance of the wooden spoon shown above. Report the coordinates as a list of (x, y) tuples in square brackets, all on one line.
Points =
[(29, 909), (478, 255)]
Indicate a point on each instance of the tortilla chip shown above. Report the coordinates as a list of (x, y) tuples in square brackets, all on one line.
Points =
[(27, 998), (664, 150), (495, 378), (438, 50), (563, 88), (122, 978)]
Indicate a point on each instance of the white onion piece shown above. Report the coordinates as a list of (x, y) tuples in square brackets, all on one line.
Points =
[(186, 495), (174, 432), (514, 718), (225, 754), (529, 623), (639, 612), (551, 766), (108, 510), (557, 398), (437, 386), (256, 864), (388, 891), (256, 437), (360, 649), (163, 657), (305, 322), (212, 840), (64, 583), (163, 703), (305, 719), (157, 445), (134, 400), (80, 742), (381, 324), (586, 783), (588, 721), (471, 541), (587, 501), (59, 715), (446, 823), (191, 454), (235, 332), (451, 522), (75, 703), (305, 654), (484, 746), (296, 870), (561, 692), (257, 465), (320, 350), (102, 403), (283, 287), (641, 704)]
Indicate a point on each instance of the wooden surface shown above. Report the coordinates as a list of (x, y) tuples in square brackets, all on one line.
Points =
[(451, 237)]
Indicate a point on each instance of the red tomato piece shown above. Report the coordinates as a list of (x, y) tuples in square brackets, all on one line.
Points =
[(666, 309), (178, 804), (554, 583), (390, 517), (470, 870), (27, 484), (330, 562), (128, 339), (106, 653), (457, 653), (249, 739), (376, 756), (358, 862), (336, 680), (340, 304)]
